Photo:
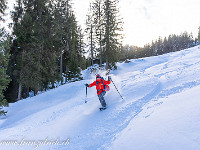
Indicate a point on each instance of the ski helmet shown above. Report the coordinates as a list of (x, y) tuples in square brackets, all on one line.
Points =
[(98, 76)]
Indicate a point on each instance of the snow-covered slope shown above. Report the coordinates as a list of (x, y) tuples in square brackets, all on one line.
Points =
[(160, 112)]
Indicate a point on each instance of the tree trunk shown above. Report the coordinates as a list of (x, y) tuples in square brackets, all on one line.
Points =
[(38, 88), (20, 85), (100, 51), (91, 46), (100, 33), (35, 92), (67, 69), (20, 92), (107, 64), (61, 64), (27, 92)]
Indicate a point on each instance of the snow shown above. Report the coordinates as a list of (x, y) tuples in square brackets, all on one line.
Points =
[(160, 110), (173, 124)]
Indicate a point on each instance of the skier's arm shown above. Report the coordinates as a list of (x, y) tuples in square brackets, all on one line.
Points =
[(106, 82), (92, 84)]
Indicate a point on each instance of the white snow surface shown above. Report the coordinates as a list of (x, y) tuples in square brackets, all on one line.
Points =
[(160, 110)]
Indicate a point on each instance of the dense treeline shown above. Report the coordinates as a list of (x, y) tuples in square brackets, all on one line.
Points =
[(161, 46), (47, 45)]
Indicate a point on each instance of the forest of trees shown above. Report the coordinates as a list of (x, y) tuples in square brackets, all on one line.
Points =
[(161, 46), (46, 45)]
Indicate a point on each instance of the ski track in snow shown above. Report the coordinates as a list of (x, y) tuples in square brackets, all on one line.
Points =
[(62, 113)]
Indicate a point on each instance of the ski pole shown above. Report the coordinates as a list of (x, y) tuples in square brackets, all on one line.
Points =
[(117, 89), (86, 95)]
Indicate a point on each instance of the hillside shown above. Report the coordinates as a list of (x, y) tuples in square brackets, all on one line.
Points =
[(160, 110)]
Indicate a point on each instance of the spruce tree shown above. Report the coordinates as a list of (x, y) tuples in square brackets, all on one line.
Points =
[(4, 78), (80, 48), (36, 64), (3, 6), (106, 25), (112, 37), (72, 40), (46, 47), (97, 15), (4, 56), (90, 28), (23, 29), (14, 66), (73, 60)]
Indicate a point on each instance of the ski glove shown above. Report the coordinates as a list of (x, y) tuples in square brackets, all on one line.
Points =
[(87, 85), (109, 78)]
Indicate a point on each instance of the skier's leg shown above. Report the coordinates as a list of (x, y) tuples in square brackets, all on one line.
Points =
[(101, 99)]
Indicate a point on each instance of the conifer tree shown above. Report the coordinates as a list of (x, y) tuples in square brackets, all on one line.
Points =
[(70, 42), (80, 48), (90, 31), (106, 25), (14, 66), (4, 78), (112, 37), (98, 15), (73, 60), (4, 56), (36, 64), (3, 6), (23, 29), (159, 46)]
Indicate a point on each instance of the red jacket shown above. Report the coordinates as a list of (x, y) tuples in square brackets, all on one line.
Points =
[(99, 86)]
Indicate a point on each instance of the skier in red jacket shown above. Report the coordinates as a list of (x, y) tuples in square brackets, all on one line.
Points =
[(102, 87)]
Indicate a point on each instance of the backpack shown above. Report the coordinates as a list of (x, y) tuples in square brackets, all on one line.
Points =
[(106, 87)]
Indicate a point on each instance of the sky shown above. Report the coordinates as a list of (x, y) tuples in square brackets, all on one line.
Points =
[(146, 20)]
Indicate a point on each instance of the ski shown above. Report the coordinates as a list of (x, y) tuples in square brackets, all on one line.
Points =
[(102, 108)]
